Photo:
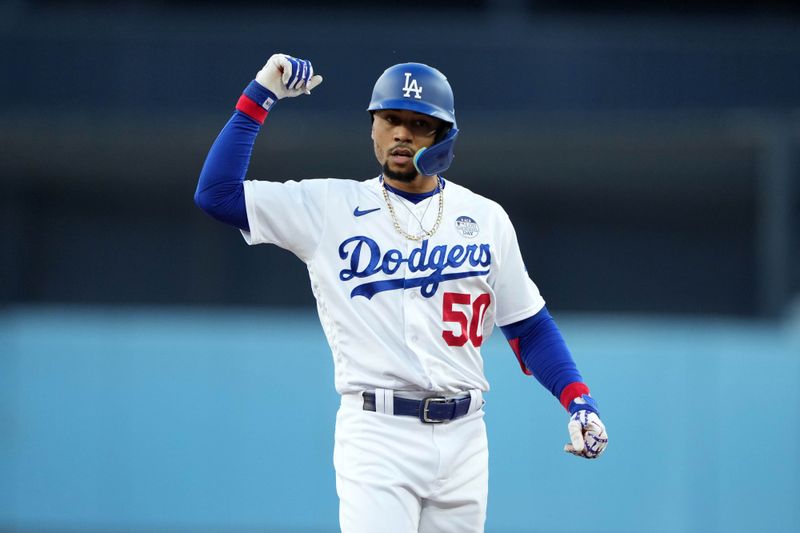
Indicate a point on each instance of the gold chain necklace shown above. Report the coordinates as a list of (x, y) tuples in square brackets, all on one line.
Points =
[(426, 234)]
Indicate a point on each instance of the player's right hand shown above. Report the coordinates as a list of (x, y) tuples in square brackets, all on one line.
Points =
[(288, 76)]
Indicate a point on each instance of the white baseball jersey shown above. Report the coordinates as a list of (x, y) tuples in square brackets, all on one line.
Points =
[(399, 314)]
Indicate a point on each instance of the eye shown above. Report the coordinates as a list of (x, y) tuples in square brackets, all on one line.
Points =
[(424, 127)]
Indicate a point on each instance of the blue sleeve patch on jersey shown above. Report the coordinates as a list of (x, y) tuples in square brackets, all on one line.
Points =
[(220, 189), (544, 351)]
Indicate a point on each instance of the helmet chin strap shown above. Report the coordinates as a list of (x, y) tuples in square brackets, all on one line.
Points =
[(437, 158)]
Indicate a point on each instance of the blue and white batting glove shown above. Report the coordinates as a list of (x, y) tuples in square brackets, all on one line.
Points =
[(287, 76), (586, 432)]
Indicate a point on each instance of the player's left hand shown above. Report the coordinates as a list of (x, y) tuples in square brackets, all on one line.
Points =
[(586, 431)]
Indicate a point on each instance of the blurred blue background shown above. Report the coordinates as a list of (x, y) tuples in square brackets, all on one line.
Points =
[(192, 420), (157, 375)]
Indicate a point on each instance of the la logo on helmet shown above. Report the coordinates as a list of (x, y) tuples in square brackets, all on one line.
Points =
[(411, 86)]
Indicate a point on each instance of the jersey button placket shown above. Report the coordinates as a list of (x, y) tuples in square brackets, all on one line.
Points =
[(412, 301), (410, 295), (412, 224)]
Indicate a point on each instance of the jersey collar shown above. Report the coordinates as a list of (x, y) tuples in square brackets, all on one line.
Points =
[(412, 196)]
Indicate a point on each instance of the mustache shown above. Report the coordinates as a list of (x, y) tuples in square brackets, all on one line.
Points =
[(402, 146)]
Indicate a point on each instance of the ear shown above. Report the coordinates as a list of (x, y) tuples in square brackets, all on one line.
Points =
[(372, 125)]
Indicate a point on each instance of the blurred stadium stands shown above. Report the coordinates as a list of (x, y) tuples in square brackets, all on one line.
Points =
[(648, 159)]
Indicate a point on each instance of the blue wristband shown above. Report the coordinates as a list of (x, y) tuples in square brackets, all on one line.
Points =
[(587, 404), (260, 95)]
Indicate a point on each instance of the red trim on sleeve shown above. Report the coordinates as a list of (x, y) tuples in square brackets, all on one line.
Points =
[(572, 391), (515, 346), (250, 108)]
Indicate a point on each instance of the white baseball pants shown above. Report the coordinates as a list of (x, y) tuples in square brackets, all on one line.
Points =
[(395, 474)]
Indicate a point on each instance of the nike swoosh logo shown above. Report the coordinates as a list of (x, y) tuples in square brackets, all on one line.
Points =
[(359, 213)]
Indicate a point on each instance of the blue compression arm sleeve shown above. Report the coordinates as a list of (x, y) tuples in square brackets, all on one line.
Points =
[(541, 348), (220, 189)]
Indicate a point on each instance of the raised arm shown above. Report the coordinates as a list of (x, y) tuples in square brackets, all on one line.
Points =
[(220, 191)]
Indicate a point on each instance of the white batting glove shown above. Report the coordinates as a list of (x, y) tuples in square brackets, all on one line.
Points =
[(287, 76), (586, 431)]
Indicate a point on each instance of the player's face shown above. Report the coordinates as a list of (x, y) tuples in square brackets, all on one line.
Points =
[(397, 135)]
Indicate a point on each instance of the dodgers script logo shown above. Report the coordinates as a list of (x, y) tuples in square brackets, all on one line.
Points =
[(366, 260), (411, 86)]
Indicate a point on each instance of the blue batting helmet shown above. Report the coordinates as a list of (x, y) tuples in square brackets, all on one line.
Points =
[(423, 89)]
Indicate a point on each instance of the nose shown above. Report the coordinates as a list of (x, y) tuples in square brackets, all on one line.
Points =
[(402, 133)]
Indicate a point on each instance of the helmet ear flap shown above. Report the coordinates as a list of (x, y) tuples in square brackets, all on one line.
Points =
[(438, 157), (442, 132)]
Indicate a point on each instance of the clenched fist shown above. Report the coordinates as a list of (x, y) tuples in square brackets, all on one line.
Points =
[(288, 76), (587, 434)]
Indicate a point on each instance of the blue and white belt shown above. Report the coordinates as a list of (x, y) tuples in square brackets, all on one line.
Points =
[(430, 410)]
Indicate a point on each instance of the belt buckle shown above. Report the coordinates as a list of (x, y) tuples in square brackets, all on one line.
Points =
[(426, 402)]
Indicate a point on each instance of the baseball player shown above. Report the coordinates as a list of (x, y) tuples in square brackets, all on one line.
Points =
[(411, 272)]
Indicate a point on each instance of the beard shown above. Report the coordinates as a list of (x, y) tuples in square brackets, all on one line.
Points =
[(404, 177)]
